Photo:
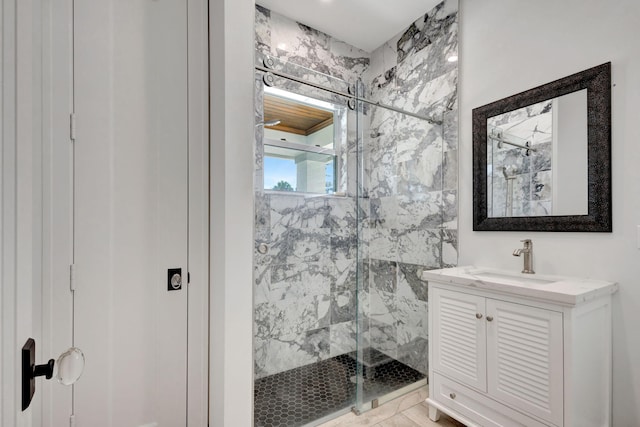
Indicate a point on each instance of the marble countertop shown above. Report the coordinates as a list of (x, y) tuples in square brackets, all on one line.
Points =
[(554, 289)]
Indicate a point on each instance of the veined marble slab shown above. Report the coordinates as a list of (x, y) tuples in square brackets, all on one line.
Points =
[(554, 289)]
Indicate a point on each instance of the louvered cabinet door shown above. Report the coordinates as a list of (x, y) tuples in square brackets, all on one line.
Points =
[(524, 358), (459, 341)]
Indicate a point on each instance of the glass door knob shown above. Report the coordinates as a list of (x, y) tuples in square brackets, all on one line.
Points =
[(70, 366)]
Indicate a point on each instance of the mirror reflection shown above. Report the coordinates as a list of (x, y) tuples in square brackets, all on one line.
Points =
[(537, 159)]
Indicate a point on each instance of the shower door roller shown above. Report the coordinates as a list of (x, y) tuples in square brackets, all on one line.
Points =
[(70, 367), (269, 80), (268, 62)]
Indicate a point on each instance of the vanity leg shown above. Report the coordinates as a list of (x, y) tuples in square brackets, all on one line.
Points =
[(434, 413)]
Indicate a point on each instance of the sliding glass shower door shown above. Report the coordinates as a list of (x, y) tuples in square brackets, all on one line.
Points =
[(306, 246), (345, 221)]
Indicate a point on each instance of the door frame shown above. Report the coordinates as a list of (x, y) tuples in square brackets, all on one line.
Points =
[(8, 218), (232, 128), (29, 84), (198, 215), (20, 204)]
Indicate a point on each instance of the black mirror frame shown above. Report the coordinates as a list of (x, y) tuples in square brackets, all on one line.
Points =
[(597, 81)]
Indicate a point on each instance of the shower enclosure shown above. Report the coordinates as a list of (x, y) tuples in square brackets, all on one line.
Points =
[(355, 196)]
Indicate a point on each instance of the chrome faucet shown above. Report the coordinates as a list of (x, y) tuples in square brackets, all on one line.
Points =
[(527, 250)]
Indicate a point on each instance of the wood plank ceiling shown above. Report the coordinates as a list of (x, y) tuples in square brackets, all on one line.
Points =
[(294, 117)]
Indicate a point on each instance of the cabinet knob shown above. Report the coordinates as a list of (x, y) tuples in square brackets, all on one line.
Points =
[(489, 318), (478, 316), (452, 395)]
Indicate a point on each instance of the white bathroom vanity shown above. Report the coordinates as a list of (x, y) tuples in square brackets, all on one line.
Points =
[(512, 349)]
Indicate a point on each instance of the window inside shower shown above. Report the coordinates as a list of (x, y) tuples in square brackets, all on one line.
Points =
[(301, 139)]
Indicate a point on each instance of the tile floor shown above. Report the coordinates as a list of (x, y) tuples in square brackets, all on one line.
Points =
[(406, 411), (301, 395)]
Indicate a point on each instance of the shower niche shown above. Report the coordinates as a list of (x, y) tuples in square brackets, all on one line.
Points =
[(355, 196)]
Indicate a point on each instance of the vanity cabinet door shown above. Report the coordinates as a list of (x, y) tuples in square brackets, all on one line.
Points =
[(524, 358), (459, 349)]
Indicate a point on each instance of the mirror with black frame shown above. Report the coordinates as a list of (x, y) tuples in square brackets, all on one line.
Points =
[(542, 158)]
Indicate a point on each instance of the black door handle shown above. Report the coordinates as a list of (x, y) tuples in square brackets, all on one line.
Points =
[(46, 369), (30, 371)]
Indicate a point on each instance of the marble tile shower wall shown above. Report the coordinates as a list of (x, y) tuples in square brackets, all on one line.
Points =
[(299, 44), (305, 286), (412, 178)]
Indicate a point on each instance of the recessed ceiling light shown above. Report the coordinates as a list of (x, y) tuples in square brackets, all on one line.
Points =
[(282, 46), (452, 58)]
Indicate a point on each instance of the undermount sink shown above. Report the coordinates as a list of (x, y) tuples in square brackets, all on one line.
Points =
[(550, 288), (519, 278)]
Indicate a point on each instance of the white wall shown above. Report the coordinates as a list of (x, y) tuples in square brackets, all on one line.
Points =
[(509, 46), (232, 135)]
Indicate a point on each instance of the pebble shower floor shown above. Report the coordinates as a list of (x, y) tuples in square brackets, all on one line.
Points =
[(299, 396)]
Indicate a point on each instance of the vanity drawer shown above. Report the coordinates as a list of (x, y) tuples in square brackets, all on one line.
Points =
[(476, 407)]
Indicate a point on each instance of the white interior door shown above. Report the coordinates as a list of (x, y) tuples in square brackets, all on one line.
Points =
[(130, 219)]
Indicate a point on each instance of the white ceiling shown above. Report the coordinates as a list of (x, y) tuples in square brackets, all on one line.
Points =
[(365, 24)]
